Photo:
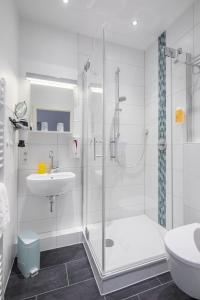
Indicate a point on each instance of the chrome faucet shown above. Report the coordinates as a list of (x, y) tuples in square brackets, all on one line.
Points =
[(54, 168)]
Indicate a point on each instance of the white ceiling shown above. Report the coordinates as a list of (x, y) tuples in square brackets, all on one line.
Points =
[(87, 17)]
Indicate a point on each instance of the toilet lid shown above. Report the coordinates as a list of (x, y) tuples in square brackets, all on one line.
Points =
[(184, 244)]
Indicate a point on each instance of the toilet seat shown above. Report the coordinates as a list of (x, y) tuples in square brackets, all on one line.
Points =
[(184, 244)]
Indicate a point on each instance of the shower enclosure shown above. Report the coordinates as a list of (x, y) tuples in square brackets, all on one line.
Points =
[(120, 221)]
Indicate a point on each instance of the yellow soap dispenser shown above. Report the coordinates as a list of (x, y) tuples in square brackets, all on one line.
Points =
[(41, 168), (180, 115)]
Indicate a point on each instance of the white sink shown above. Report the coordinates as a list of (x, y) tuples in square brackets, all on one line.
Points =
[(50, 184)]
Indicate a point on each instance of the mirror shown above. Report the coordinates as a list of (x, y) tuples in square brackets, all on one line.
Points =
[(20, 110), (55, 120), (52, 108)]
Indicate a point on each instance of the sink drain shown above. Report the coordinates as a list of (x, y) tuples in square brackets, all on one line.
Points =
[(109, 243)]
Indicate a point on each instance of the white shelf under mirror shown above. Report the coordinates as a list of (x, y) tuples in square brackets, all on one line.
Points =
[(51, 132)]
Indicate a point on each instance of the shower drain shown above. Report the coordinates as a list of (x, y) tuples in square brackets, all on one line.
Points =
[(109, 243)]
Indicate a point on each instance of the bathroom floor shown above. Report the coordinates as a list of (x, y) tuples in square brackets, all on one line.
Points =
[(66, 275)]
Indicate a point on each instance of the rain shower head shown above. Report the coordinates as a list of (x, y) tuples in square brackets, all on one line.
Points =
[(122, 99)]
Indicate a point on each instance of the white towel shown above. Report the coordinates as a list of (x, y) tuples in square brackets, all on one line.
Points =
[(4, 207)]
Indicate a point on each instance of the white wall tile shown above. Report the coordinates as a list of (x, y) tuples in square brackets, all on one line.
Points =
[(69, 239), (66, 158), (124, 176), (151, 112), (191, 182), (191, 215), (151, 155), (42, 138), (39, 226), (129, 75), (134, 94), (152, 138), (33, 159), (48, 243), (32, 208), (196, 12)]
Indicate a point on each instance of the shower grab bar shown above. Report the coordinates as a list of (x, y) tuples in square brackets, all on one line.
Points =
[(95, 152)]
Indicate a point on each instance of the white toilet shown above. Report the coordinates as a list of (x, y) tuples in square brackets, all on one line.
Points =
[(183, 248)]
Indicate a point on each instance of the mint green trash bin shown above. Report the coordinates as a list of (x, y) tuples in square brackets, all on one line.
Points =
[(28, 254)]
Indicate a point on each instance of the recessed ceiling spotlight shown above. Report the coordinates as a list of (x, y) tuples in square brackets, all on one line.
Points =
[(135, 22), (65, 1)]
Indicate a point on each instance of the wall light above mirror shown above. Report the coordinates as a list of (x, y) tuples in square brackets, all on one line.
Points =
[(51, 81)]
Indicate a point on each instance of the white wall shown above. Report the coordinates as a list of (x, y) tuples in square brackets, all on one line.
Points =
[(9, 70), (184, 33)]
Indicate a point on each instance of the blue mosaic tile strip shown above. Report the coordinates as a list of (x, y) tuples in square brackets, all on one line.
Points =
[(162, 131)]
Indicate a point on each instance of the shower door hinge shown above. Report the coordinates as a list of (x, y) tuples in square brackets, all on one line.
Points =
[(170, 52), (87, 234)]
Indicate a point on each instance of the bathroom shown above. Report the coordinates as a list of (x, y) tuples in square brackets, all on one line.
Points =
[(99, 149)]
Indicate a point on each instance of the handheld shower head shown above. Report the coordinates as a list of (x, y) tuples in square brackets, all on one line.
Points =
[(87, 65), (122, 99)]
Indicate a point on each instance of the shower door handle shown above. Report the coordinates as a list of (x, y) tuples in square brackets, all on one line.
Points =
[(95, 152)]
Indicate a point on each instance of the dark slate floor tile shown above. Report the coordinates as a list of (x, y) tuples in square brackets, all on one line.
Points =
[(15, 269), (62, 255), (133, 290), (79, 270), (164, 278), (86, 290), (168, 291), (133, 298), (48, 279)]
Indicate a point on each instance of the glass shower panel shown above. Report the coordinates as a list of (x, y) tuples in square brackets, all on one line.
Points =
[(127, 221), (93, 152), (124, 172), (179, 130), (115, 140)]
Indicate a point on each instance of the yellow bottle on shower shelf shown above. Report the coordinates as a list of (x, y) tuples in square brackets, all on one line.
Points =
[(180, 115), (41, 168)]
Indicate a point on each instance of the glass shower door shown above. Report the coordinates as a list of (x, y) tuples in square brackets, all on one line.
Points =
[(93, 160)]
